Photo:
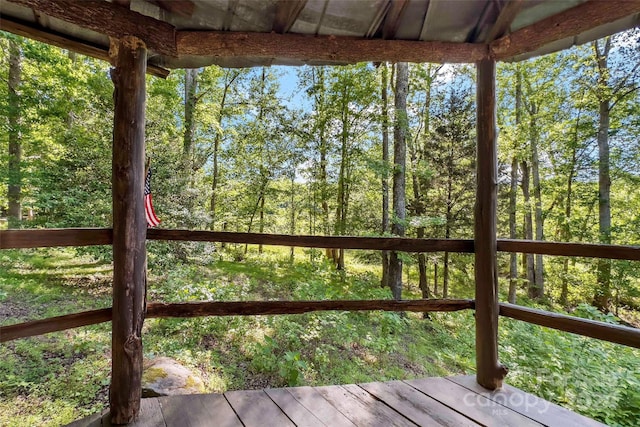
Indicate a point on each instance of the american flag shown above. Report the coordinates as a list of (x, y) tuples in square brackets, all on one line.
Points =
[(152, 219)]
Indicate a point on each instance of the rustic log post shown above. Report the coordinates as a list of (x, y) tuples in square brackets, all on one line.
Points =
[(129, 57), (490, 372)]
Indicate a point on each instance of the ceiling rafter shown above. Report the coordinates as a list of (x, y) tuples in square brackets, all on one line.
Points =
[(110, 19), (179, 7), (287, 11), (566, 24), (503, 24), (324, 48), (391, 21), (50, 37)]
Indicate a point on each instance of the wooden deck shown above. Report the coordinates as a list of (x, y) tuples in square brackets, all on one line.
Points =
[(454, 401)]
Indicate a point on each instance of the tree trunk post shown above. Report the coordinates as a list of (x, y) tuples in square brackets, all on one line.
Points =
[(490, 372), (129, 57)]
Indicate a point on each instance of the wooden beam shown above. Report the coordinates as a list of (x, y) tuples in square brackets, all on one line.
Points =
[(569, 23), (54, 324), (45, 35), (585, 327), (344, 242), (14, 239), (258, 308), (129, 227), (110, 19), (490, 372), (324, 48), (590, 250), (392, 19), (504, 21), (179, 7), (287, 12)]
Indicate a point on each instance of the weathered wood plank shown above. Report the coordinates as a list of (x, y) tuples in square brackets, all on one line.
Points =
[(490, 371), (344, 242), (416, 406), (150, 415), (54, 324), (48, 36), (585, 327), (129, 227), (255, 409), (321, 408), (324, 48), (361, 408), (569, 23), (591, 250), (94, 420), (110, 19), (470, 404), (43, 238), (198, 410), (292, 408), (253, 308), (537, 409)]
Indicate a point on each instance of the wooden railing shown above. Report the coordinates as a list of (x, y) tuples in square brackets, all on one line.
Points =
[(87, 237)]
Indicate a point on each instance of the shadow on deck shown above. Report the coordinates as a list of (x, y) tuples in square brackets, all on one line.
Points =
[(453, 401)]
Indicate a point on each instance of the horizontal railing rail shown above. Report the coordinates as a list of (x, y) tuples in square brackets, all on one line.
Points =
[(50, 237), (589, 328), (229, 308), (35, 238)]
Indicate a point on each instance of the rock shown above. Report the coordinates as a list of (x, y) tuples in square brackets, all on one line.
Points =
[(164, 376)]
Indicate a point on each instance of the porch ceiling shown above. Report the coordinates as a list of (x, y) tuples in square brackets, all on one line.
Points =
[(241, 33)]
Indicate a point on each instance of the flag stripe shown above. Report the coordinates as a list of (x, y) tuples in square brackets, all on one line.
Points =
[(150, 214)]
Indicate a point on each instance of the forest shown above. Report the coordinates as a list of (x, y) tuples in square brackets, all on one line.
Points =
[(359, 150)]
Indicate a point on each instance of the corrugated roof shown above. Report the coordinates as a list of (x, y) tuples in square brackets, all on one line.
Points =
[(450, 21)]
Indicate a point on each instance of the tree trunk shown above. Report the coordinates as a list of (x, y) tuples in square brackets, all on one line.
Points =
[(190, 101), (538, 285), (566, 226), (399, 161), (385, 176), (261, 223), (528, 228), (14, 190), (513, 257), (602, 297)]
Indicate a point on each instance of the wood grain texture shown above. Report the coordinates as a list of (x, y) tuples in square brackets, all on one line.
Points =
[(324, 48), (198, 410), (321, 408), (293, 409), (255, 308), (531, 406), (110, 19), (345, 242), (476, 407), (416, 406), (361, 408), (254, 408), (585, 327), (43, 238), (590, 250), (490, 371), (129, 228), (54, 324), (48, 36), (569, 23)]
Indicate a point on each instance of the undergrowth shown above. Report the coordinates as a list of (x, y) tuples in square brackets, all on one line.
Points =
[(56, 378)]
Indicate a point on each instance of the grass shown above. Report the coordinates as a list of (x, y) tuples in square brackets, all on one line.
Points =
[(53, 379)]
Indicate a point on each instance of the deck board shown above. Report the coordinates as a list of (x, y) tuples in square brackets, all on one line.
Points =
[(254, 407), (454, 401), (195, 410), (474, 406), (529, 405), (294, 410), (418, 407)]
